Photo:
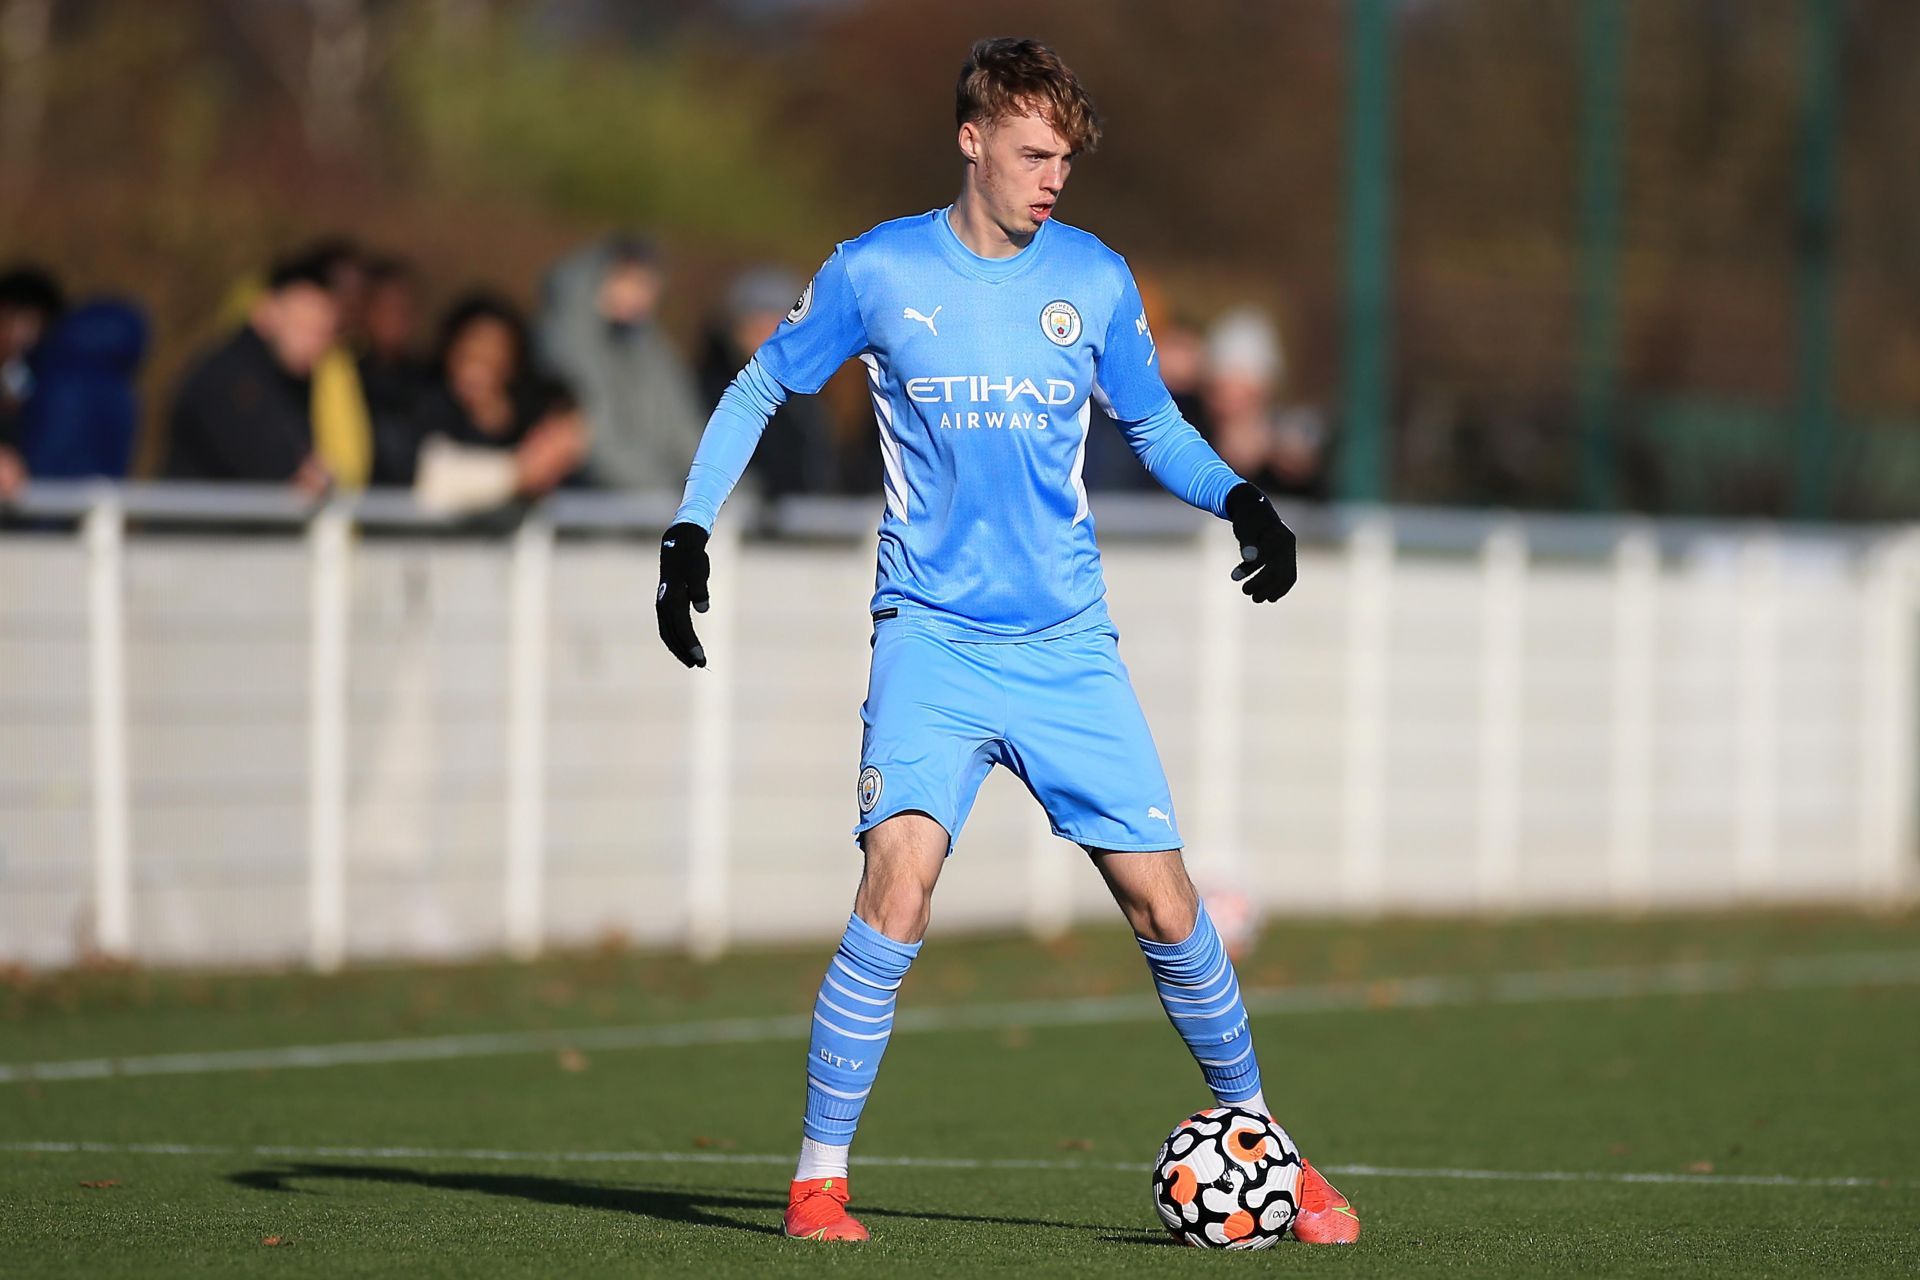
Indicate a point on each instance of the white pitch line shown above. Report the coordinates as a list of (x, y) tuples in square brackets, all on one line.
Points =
[(490, 1156), (1887, 968)]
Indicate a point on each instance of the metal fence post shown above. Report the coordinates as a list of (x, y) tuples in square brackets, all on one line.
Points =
[(1365, 461), (1369, 605), (1889, 720), (1636, 584), (1757, 768), (1503, 565), (1816, 242), (328, 547), (104, 533), (1603, 34), (1220, 716), (1049, 883), (709, 825), (525, 880)]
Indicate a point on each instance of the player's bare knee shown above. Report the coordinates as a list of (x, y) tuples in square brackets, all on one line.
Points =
[(1166, 919), (897, 907), (1152, 891), (904, 856)]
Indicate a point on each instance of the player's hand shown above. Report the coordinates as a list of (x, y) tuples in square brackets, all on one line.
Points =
[(683, 581), (1267, 568)]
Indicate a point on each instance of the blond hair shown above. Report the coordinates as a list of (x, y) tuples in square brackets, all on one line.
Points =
[(1008, 76)]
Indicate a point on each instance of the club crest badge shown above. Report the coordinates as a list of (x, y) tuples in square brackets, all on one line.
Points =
[(1061, 322), (804, 305), (870, 784)]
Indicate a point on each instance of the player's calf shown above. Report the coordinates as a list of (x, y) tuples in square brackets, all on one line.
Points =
[(1201, 994)]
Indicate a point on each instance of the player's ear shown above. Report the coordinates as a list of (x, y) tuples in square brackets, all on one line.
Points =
[(970, 142)]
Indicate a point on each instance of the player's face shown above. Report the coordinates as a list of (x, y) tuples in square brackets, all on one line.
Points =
[(1020, 166)]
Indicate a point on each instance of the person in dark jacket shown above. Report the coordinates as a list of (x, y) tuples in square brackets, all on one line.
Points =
[(393, 369), (394, 372), (243, 412), (85, 409), (30, 303), (489, 396)]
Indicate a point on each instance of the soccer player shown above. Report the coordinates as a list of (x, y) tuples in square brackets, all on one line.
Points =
[(987, 329)]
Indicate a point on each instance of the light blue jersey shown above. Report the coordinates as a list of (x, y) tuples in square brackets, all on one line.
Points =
[(982, 372)]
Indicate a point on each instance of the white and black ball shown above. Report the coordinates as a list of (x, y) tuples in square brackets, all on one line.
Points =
[(1227, 1178)]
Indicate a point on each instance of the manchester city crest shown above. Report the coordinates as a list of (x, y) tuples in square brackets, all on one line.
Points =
[(1061, 322), (870, 785), (804, 305)]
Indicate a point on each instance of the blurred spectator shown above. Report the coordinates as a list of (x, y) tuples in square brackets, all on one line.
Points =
[(30, 302), (598, 330), (243, 409), (393, 374), (84, 411), (492, 428), (1182, 353), (1282, 452), (391, 367), (796, 455), (1110, 463)]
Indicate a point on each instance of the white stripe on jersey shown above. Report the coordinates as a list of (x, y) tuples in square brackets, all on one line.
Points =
[(1080, 461), (896, 472)]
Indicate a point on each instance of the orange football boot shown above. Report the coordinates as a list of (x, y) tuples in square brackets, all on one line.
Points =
[(817, 1210), (1325, 1217)]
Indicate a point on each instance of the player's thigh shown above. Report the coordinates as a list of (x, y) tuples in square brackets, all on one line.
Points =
[(1081, 743), (927, 729)]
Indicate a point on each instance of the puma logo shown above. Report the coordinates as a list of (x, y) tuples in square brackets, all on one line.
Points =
[(911, 314)]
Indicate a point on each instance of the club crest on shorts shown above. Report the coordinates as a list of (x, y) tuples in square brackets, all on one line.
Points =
[(870, 785), (1061, 322), (804, 305)]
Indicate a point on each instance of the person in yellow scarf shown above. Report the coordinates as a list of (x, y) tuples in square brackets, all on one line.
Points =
[(342, 427)]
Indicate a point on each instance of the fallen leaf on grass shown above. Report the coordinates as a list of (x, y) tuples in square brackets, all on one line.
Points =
[(724, 1144), (101, 1184), (1619, 1149), (573, 1060), (271, 1241), (1076, 1144), (1383, 994), (1700, 1166)]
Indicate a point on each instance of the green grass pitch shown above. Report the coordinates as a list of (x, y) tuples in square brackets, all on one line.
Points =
[(1012, 1123)]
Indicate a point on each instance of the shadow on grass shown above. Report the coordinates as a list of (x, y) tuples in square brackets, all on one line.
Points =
[(692, 1206), (670, 1204), (1153, 1238)]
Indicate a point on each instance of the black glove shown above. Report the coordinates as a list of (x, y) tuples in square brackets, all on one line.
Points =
[(1267, 568), (683, 581)]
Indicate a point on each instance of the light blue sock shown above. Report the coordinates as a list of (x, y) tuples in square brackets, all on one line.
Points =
[(852, 1019), (1201, 994)]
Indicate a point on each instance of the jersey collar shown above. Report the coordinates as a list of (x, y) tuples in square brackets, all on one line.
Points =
[(992, 270)]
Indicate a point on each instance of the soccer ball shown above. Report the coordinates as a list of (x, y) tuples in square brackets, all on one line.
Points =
[(1227, 1179)]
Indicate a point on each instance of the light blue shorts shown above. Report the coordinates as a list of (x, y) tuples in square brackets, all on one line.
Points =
[(1060, 713)]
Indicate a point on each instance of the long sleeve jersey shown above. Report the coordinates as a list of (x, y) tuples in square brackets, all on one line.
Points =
[(983, 373)]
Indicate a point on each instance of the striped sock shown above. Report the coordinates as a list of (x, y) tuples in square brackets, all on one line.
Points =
[(1201, 994), (851, 1022)]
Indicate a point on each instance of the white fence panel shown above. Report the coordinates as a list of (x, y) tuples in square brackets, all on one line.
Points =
[(228, 748)]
